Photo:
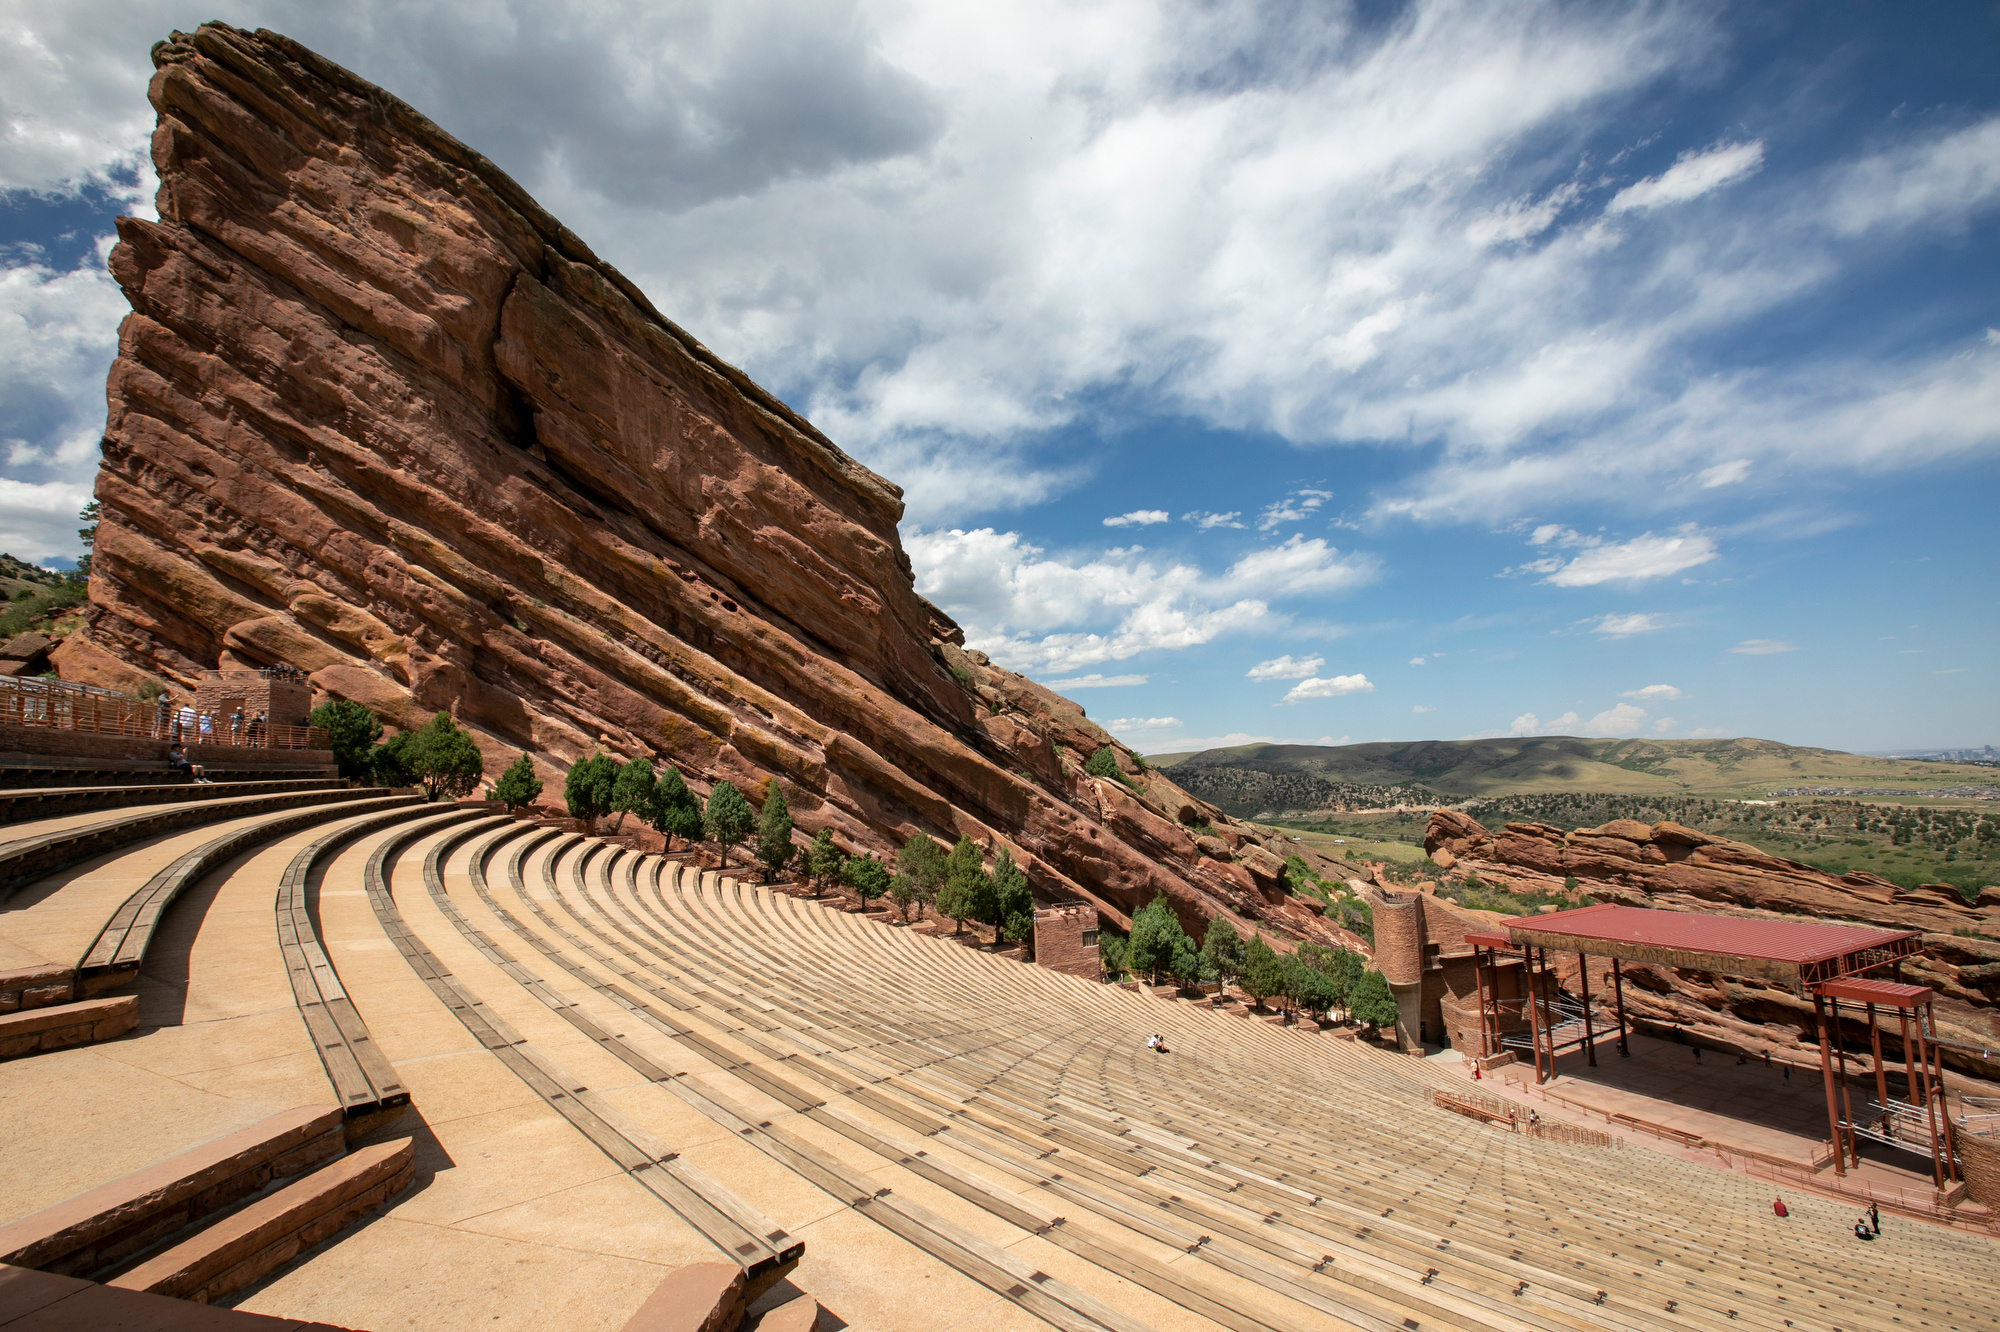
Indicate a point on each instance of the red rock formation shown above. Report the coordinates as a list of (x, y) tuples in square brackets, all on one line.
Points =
[(377, 415), (1669, 866)]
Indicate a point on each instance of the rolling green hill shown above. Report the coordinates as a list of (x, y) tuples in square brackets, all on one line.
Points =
[(1743, 768)]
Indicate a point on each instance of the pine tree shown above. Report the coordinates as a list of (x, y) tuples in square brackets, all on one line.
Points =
[(1015, 900), (1223, 947), (823, 860), (774, 833), (728, 818), (587, 788), (674, 811), (967, 891), (632, 790), (1309, 987), (1263, 970), (1155, 932), (864, 874), (924, 863), (902, 895), (518, 785), (444, 759)]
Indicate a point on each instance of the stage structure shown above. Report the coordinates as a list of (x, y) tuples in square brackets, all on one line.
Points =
[(1828, 962)]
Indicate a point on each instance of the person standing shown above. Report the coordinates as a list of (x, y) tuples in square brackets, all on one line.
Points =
[(1875, 1218)]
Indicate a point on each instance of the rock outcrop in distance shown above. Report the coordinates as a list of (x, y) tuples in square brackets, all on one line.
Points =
[(1673, 867), (377, 415)]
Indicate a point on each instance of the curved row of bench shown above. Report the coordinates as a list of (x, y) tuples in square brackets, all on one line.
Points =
[(1000, 1129), (1227, 1160)]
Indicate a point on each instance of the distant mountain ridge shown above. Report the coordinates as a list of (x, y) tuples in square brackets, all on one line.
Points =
[(1461, 768)]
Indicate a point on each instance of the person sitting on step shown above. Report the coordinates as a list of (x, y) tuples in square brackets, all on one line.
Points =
[(177, 759)]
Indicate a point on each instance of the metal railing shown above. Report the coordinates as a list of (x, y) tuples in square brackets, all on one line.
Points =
[(59, 706)]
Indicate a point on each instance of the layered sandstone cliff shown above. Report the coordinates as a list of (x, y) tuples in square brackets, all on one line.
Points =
[(1669, 866), (377, 415)]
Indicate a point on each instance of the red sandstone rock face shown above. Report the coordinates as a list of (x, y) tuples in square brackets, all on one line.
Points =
[(377, 415), (1667, 865)]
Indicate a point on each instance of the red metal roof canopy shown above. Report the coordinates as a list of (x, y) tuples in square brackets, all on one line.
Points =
[(1887, 993), (1797, 941)]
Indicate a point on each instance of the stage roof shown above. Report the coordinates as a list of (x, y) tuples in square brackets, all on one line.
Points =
[(1792, 952)]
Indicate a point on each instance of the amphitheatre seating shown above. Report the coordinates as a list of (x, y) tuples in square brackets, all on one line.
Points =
[(222, 765), (23, 804), (601, 1043), (107, 1225), (44, 849)]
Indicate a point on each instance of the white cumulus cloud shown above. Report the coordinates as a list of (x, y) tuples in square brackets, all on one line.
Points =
[(1419, 708), (1633, 561), (1286, 667), (1654, 694), (1138, 518), (1331, 687), (1120, 725), (1621, 721), (1529, 724), (1032, 611), (1693, 175)]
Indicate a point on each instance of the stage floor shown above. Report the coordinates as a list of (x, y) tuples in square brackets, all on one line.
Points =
[(1749, 1106)]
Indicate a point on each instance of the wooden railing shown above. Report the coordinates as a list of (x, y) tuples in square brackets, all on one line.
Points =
[(1909, 1202), (1506, 1114), (61, 706)]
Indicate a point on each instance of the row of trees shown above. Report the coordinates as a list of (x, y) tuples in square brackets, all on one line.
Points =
[(438, 756), (599, 785), (956, 886), (1314, 979)]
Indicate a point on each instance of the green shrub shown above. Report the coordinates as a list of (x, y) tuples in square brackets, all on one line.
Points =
[(448, 762), (518, 785), (350, 730), (674, 811), (588, 786), (1374, 1003)]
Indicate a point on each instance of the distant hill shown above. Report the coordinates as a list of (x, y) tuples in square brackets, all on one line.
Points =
[(1461, 768)]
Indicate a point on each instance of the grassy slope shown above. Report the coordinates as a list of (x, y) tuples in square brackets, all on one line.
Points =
[(1729, 768)]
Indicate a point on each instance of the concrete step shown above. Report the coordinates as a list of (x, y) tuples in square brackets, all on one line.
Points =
[(36, 987), (108, 1224), (59, 1026), (270, 1232), (32, 1301)]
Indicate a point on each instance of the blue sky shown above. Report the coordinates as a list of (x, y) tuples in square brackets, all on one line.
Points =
[(1306, 372)]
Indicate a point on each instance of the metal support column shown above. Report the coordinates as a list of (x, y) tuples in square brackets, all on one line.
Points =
[(1881, 1075), (1930, 1102), (1826, 1078), (1535, 1020), (1618, 988), (1846, 1105), (1589, 1038)]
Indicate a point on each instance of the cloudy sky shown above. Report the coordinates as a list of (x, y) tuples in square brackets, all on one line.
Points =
[(1300, 371)]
